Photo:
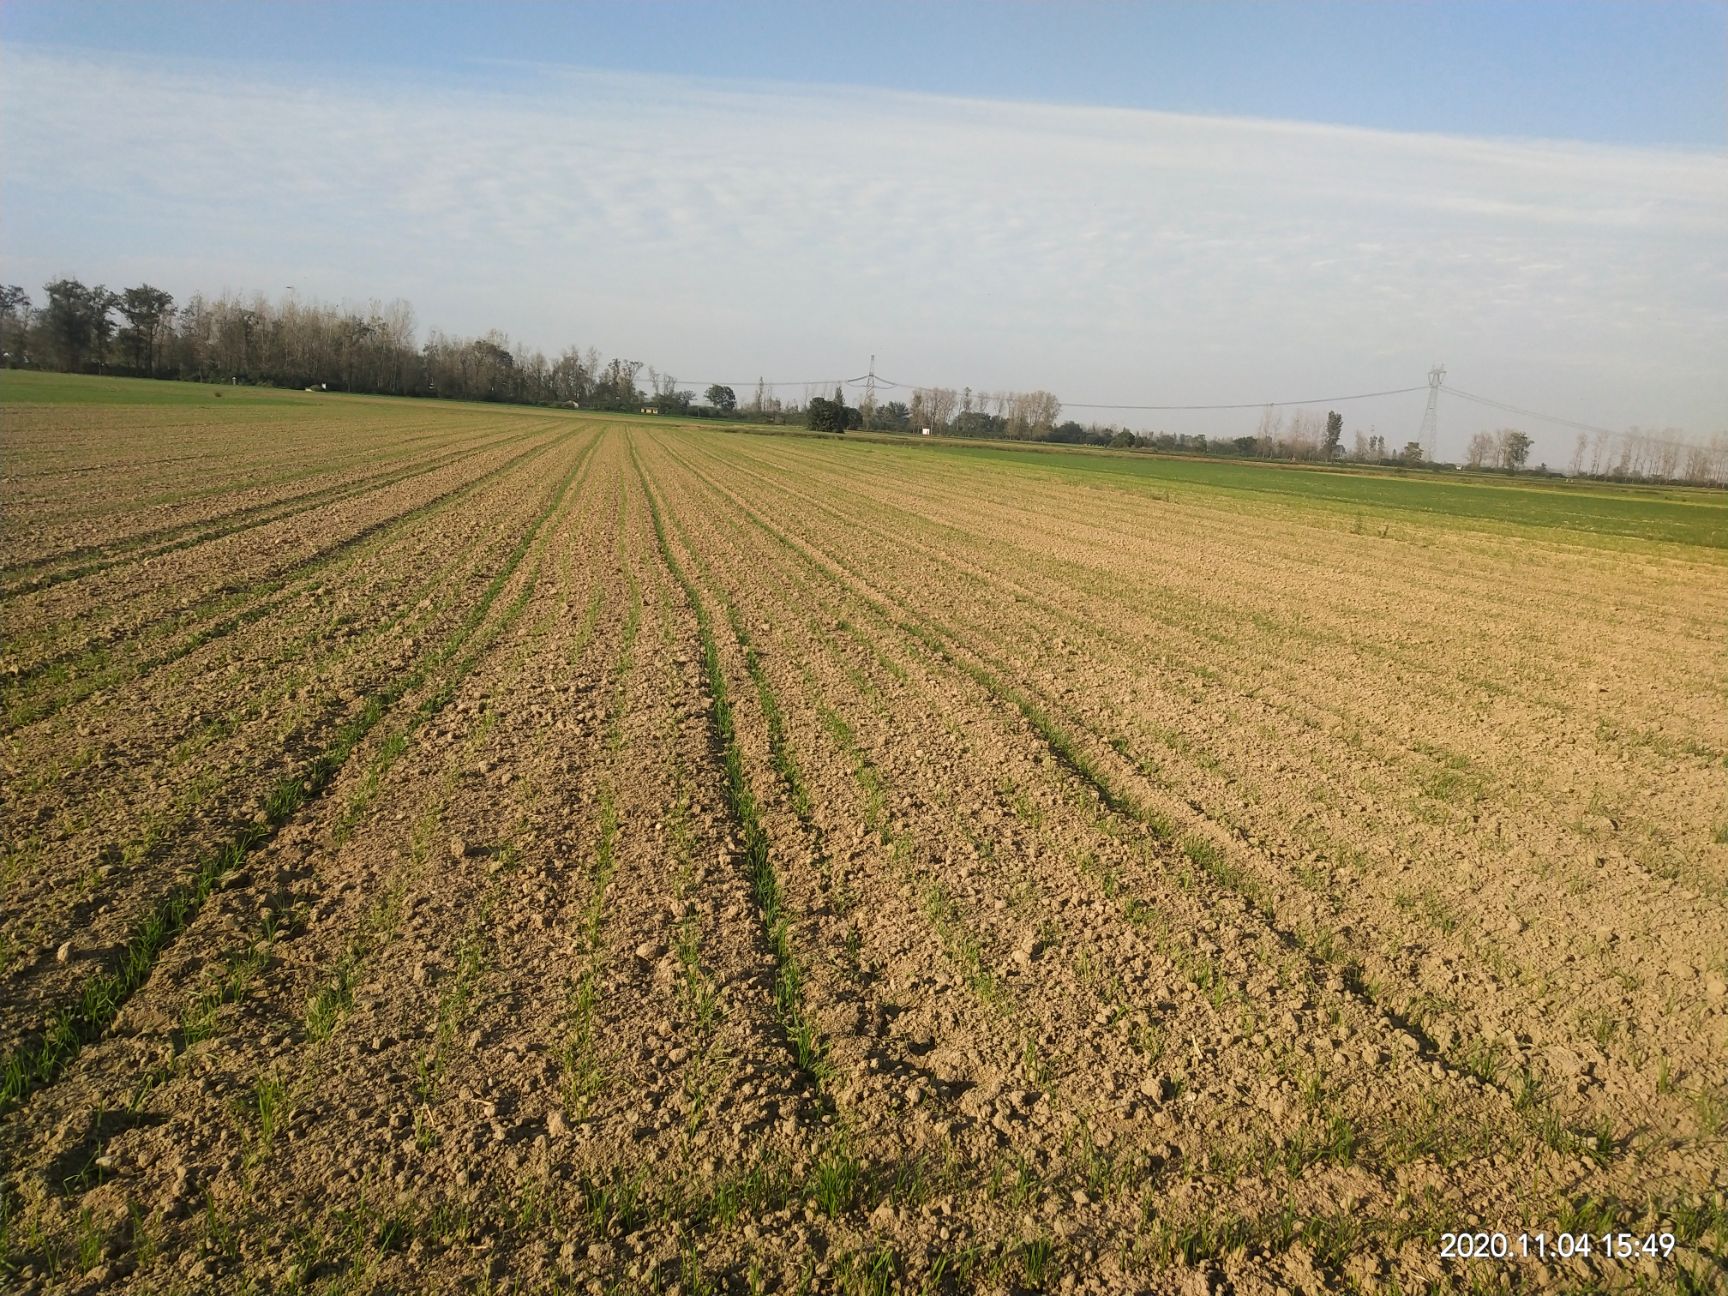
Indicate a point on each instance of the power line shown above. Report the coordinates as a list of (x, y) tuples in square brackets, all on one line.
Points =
[(1530, 413), (866, 380), (1105, 405), (789, 382), (874, 380), (1431, 386), (1647, 437), (1317, 400)]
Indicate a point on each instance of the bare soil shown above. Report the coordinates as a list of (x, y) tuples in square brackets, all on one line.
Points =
[(616, 857)]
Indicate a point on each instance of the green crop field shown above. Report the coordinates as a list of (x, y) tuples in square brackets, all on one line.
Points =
[(26, 387), (1680, 514)]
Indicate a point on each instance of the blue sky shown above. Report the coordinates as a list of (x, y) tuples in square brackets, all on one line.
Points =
[(1648, 72), (1143, 204)]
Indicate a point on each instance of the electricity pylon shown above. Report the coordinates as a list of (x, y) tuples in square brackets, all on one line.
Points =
[(1431, 419)]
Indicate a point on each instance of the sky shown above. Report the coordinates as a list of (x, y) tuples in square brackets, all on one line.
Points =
[(1124, 204)]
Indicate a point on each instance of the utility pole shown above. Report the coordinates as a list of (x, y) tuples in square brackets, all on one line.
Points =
[(1431, 419)]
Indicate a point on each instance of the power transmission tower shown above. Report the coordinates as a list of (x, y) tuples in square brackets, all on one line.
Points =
[(1431, 419), (870, 394)]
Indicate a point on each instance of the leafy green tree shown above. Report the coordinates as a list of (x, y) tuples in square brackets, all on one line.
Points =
[(77, 322), (978, 423), (1334, 433), (825, 415), (1516, 448), (1412, 452), (721, 398), (832, 415), (145, 308)]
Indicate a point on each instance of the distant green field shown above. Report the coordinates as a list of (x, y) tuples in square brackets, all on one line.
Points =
[(1668, 514), (32, 387), (1675, 514)]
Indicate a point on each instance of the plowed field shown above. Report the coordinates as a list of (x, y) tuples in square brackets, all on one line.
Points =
[(453, 848)]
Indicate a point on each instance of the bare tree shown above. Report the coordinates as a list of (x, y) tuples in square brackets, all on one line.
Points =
[(14, 322), (1031, 415), (1304, 437), (935, 407), (571, 379), (1267, 433), (1668, 452), (1707, 465), (1043, 411)]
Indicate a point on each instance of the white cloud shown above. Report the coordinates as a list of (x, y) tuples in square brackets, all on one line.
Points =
[(724, 229)]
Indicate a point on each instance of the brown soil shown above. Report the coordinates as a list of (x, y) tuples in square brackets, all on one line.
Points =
[(752, 864)]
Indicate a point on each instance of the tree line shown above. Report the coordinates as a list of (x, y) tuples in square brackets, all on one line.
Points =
[(290, 342), (1505, 448), (1304, 436), (143, 332), (1645, 454)]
